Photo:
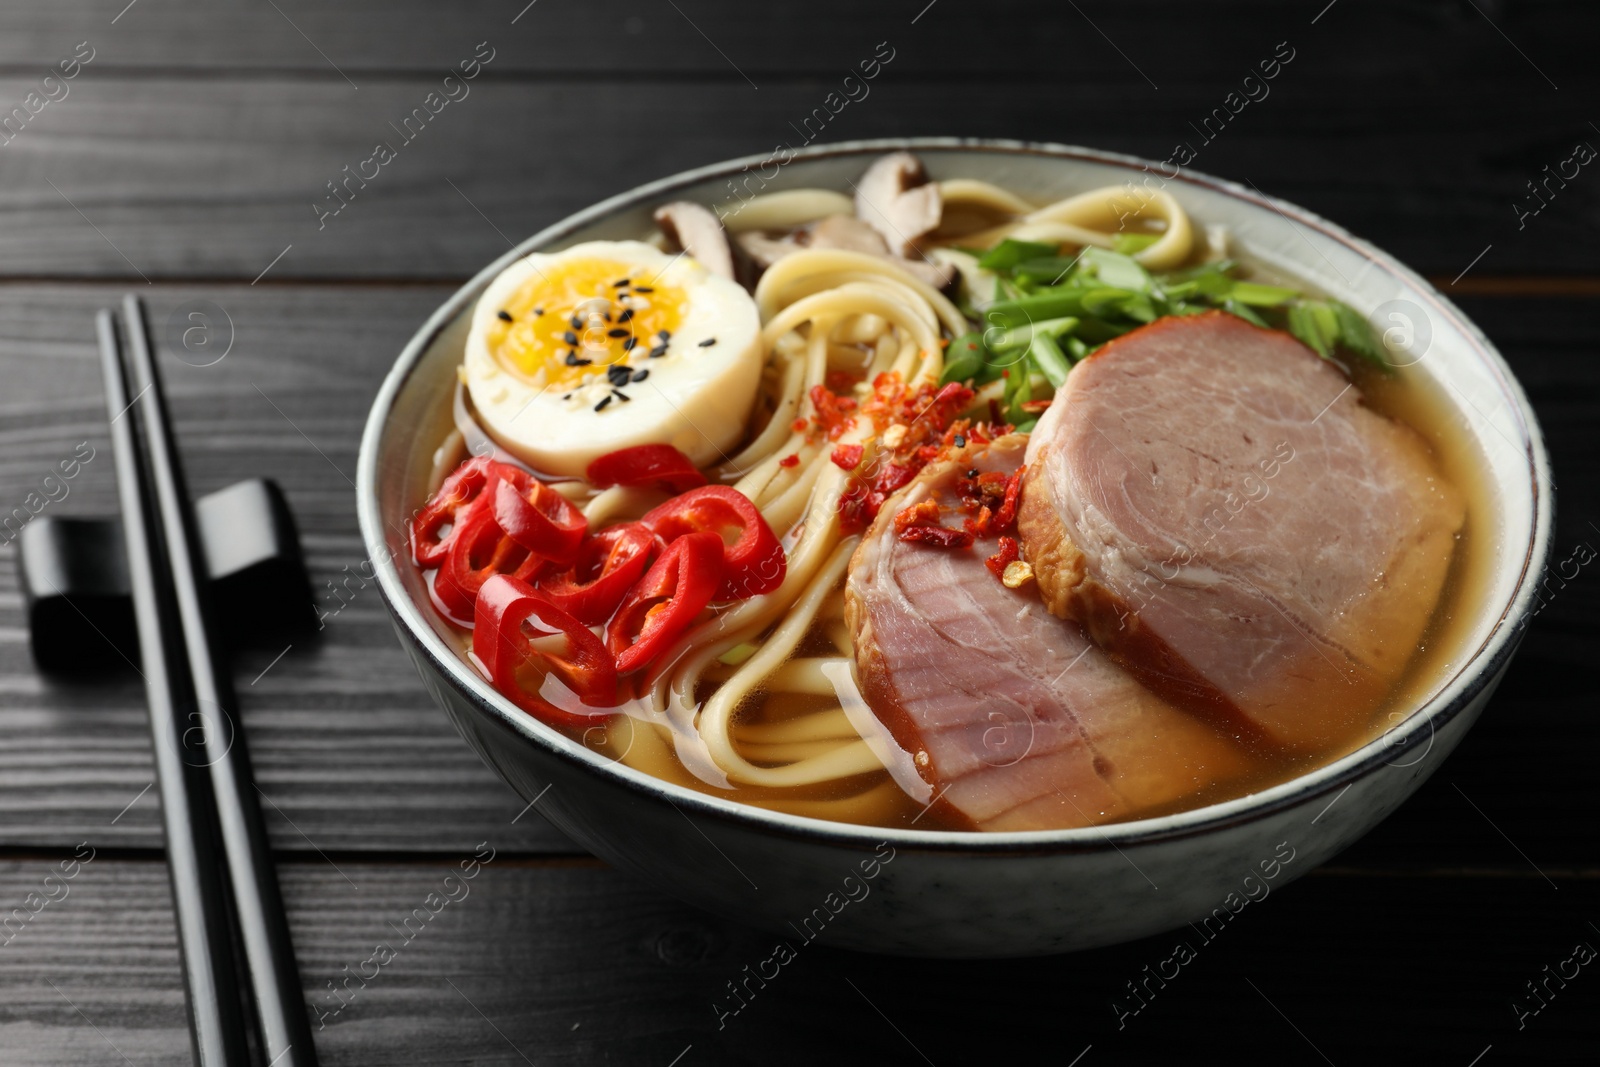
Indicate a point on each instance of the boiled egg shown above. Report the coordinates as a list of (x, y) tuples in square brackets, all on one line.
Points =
[(610, 344)]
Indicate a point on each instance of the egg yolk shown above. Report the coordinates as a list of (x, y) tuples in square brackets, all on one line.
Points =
[(573, 319)]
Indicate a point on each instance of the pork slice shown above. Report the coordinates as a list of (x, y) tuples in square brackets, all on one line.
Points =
[(1013, 716), (1219, 509)]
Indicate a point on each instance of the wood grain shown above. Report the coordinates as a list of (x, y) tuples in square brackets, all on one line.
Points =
[(160, 174), (575, 964)]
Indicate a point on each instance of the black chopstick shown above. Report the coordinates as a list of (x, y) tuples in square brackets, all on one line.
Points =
[(258, 906), (199, 893)]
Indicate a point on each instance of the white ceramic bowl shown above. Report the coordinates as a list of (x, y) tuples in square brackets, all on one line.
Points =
[(936, 893)]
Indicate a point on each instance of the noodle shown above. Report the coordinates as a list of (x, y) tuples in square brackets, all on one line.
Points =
[(961, 192), (1096, 217), (785, 210)]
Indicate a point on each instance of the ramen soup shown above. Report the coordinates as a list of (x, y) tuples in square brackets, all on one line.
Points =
[(937, 506)]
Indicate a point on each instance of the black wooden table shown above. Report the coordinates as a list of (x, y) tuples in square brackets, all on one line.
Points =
[(189, 157)]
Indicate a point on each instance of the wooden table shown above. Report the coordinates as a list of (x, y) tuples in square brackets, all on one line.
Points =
[(183, 161)]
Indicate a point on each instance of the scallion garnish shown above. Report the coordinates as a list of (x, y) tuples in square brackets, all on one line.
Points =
[(1049, 311)]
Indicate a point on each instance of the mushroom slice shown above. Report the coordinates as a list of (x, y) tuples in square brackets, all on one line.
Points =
[(896, 199), (695, 230), (846, 233), (765, 250)]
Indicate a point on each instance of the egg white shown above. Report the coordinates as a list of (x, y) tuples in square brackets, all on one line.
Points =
[(696, 399)]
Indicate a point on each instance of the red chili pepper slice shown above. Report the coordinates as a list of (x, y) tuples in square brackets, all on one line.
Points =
[(537, 517), (660, 465), (660, 608), (754, 562), (509, 618), (459, 490), (608, 565), (479, 550)]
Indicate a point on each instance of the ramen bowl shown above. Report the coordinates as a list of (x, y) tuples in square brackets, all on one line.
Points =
[(933, 892)]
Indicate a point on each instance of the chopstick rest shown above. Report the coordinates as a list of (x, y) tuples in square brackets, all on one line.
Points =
[(76, 593)]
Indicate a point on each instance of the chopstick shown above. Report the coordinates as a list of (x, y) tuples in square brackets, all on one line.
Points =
[(258, 906), (199, 895)]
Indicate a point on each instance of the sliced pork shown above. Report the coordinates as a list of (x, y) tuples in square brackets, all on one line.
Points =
[(1222, 513), (1013, 716)]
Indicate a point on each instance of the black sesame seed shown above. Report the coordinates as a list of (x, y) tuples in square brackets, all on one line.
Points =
[(603, 402), (575, 322), (618, 374), (570, 337), (584, 363), (620, 283), (624, 397), (973, 473), (572, 359), (641, 374), (658, 352), (627, 346), (538, 311), (617, 331), (708, 342), (504, 315), (961, 442), (665, 335), (626, 315), (643, 289), (566, 396)]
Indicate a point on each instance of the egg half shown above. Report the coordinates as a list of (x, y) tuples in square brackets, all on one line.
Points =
[(610, 344)]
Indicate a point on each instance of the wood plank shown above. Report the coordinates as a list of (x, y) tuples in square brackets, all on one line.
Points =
[(167, 177), (578, 964), (720, 38), (337, 726)]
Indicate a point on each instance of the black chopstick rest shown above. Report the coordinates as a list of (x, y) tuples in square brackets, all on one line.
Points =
[(75, 589)]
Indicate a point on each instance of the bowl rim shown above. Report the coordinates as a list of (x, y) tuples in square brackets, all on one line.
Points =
[(1475, 672)]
